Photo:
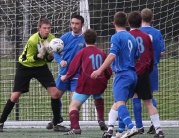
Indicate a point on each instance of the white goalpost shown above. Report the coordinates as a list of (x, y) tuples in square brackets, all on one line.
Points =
[(19, 21), (88, 112)]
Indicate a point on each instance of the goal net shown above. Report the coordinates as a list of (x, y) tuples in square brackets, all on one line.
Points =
[(18, 21)]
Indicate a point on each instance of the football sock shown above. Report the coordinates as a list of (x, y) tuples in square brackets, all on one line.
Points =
[(99, 104), (154, 102), (121, 126), (112, 117), (56, 110), (123, 113), (156, 122), (137, 109), (7, 110), (60, 107), (74, 119)]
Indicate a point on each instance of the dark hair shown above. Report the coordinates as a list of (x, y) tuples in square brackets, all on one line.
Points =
[(135, 19), (43, 21), (120, 18), (147, 15), (79, 17), (90, 36)]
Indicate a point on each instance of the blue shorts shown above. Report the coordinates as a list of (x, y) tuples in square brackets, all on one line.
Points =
[(69, 85), (124, 85), (154, 79), (83, 97)]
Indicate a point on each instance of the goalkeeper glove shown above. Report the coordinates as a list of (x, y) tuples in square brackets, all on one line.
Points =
[(42, 50), (49, 51)]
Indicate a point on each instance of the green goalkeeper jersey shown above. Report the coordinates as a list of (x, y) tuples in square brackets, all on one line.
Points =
[(30, 50)]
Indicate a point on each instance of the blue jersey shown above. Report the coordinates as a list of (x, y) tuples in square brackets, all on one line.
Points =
[(125, 48), (72, 44), (157, 41)]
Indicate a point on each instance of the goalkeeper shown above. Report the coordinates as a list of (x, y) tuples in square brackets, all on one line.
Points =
[(33, 64), (87, 60)]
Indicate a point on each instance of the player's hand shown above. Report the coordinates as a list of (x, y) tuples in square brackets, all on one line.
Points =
[(95, 74), (63, 63), (63, 78)]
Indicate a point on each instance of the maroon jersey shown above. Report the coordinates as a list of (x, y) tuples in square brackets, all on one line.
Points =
[(88, 60), (146, 50)]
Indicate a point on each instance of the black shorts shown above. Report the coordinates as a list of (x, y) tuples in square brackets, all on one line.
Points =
[(143, 87), (25, 74)]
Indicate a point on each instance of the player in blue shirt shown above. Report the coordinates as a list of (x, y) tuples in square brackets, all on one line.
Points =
[(73, 42), (159, 51), (123, 52)]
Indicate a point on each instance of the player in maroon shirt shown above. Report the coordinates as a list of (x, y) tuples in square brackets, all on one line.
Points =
[(144, 67), (87, 60)]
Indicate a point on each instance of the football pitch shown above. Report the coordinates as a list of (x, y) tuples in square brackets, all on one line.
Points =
[(86, 133)]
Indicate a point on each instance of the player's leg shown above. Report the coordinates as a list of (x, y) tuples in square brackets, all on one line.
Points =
[(154, 116), (21, 84), (124, 85), (154, 86), (45, 77), (55, 95), (99, 104), (8, 107), (73, 84), (62, 87), (137, 110), (154, 82), (112, 117), (50, 124), (142, 91), (76, 102)]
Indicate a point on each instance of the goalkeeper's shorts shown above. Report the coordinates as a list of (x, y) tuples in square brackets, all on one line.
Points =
[(25, 74)]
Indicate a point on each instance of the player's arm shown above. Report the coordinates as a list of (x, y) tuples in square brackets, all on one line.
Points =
[(108, 71), (104, 66), (74, 65), (59, 60)]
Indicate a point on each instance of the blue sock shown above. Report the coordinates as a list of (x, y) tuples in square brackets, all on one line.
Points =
[(121, 125), (154, 102), (123, 113), (137, 109)]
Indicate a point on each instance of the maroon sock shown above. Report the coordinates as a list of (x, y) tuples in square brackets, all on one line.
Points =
[(74, 118), (99, 103)]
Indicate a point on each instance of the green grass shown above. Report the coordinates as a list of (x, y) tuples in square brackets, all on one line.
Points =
[(86, 133)]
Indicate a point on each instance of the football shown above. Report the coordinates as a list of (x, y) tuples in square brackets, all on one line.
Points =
[(56, 45)]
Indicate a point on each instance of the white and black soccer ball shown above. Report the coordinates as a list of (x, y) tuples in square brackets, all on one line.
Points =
[(56, 45)]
